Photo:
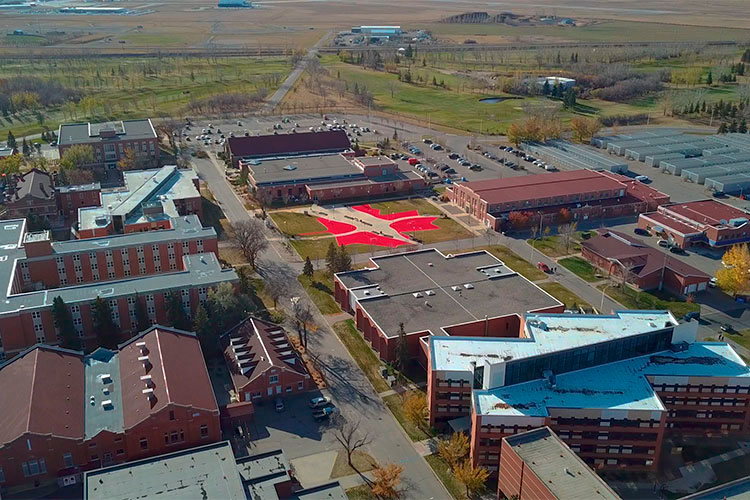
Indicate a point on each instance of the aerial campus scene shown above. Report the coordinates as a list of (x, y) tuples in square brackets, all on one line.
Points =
[(345, 249)]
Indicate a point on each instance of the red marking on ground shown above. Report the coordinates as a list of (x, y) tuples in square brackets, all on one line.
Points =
[(376, 213), (368, 238), (415, 224), (336, 227)]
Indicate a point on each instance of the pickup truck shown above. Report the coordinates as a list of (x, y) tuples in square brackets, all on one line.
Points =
[(324, 413)]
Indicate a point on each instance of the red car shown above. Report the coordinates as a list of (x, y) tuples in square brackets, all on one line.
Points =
[(413, 161), (543, 267)]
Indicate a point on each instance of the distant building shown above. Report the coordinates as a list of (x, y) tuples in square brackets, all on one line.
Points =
[(643, 266), (551, 81), (378, 30), (706, 222), (234, 3), (262, 363), (110, 141), (65, 412)]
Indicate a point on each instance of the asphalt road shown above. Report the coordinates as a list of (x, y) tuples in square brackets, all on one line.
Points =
[(349, 388)]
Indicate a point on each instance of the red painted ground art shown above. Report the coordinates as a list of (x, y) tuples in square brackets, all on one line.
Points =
[(333, 227), (376, 213), (368, 238), (414, 224)]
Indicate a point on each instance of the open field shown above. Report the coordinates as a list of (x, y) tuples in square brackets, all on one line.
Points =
[(564, 295), (580, 267), (633, 299), (295, 223)]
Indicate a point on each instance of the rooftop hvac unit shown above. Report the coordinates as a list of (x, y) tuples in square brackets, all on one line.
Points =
[(417, 295), (468, 286), (147, 380), (430, 293), (455, 288), (106, 378), (107, 404)]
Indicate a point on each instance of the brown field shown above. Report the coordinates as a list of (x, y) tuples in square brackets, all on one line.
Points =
[(294, 25)]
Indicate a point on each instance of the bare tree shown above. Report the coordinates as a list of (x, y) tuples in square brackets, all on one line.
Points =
[(250, 238), (566, 233), (303, 315), (349, 437), (489, 235)]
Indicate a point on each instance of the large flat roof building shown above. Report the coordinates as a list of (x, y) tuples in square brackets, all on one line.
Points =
[(704, 222), (283, 145)]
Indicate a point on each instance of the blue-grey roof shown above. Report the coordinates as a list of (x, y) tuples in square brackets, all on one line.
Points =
[(546, 333), (616, 386), (103, 393), (88, 133)]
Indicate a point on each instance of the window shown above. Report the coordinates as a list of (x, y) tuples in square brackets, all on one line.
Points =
[(2, 475), (204, 431), (144, 444), (34, 467), (68, 459), (289, 388), (171, 415), (300, 385), (120, 452), (94, 458), (273, 379)]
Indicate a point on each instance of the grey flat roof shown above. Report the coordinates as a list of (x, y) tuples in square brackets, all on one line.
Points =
[(205, 472), (260, 474), (400, 176), (558, 467), (79, 187), (484, 287), (318, 168), (330, 491), (88, 133), (101, 379)]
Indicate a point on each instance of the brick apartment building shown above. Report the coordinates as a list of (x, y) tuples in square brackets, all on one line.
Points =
[(64, 412), (431, 294), (121, 269), (262, 363), (32, 193), (149, 200), (111, 140), (586, 194), (285, 145), (610, 386), (72, 198), (704, 222), (643, 266)]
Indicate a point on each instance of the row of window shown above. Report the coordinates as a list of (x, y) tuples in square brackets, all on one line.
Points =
[(677, 401), (720, 389)]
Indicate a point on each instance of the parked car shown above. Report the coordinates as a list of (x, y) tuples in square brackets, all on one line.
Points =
[(543, 267), (413, 161), (719, 194), (279, 405), (726, 327), (696, 315), (325, 413), (641, 232), (319, 402), (664, 243), (550, 168), (712, 283), (677, 250), (453, 156), (642, 178), (427, 141)]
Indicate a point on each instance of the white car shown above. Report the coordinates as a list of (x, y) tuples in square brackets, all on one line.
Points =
[(642, 178), (712, 283)]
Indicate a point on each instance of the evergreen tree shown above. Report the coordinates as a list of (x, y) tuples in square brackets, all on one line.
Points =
[(202, 328), (733, 126), (402, 349), (107, 332), (332, 258), (11, 140), (176, 313), (746, 56), (742, 129), (710, 78), (64, 322), (142, 321), (569, 100), (434, 81), (308, 269), (344, 260), (545, 88), (703, 107), (722, 128), (25, 148), (409, 52)]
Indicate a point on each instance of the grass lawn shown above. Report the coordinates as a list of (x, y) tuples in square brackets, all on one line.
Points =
[(742, 338), (318, 248), (421, 205), (295, 223), (552, 246), (395, 404), (361, 352), (362, 463), (512, 260), (213, 215), (449, 230), (232, 256), (320, 289), (362, 492), (580, 267), (633, 299), (564, 295), (444, 472)]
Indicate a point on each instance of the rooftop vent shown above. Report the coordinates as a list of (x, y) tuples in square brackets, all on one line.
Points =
[(147, 380), (429, 264), (106, 378), (430, 293), (366, 292), (149, 393), (455, 288), (468, 286), (92, 401), (290, 167), (107, 404), (417, 295)]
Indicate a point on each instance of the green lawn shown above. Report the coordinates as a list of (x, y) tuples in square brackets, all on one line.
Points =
[(444, 472), (552, 246), (580, 267), (317, 248), (295, 223), (633, 299), (449, 230), (421, 205), (395, 404), (361, 352), (742, 338), (362, 492), (320, 290), (564, 295)]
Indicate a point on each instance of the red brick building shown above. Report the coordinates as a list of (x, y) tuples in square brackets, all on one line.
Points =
[(538, 465), (110, 141), (65, 412), (705, 222), (32, 194), (584, 194), (471, 294), (72, 198), (643, 266), (122, 269), (286, 145), (262, 362)]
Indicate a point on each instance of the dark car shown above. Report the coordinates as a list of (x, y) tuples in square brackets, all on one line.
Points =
[(678, 250), (641, 232), (726, 327), (453, 156), (720, 194), (696, 315)]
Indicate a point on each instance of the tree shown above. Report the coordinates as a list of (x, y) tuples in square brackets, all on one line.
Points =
[(734, 275), (25, 149), (76, 157), (107, 332), (142, 319), (308, 269), (709, 78), (350, 439), (518, 219), (10, 165), (386, 481), (722, 128), (176, 315), (225, 307), (409, 52), (303, 315), (473, 478), (332, 258), (743, 127), (11, 140), (64, 323), (202, 328), (564, 215), (249, 236), (569, 99), (129, 161), (402, 349), (454, 449), (276, 286), (584, 128), (415, 409), (566, 233)]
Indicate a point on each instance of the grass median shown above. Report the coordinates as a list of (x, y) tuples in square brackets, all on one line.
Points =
[(361, 352), (580, 268), (395, 403), (444, 472), (320, 289), (571, 300), (653, 300)]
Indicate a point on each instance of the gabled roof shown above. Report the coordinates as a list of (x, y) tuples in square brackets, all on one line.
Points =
[(35, 183), (254, 346), (41, 392), (289, 144)]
